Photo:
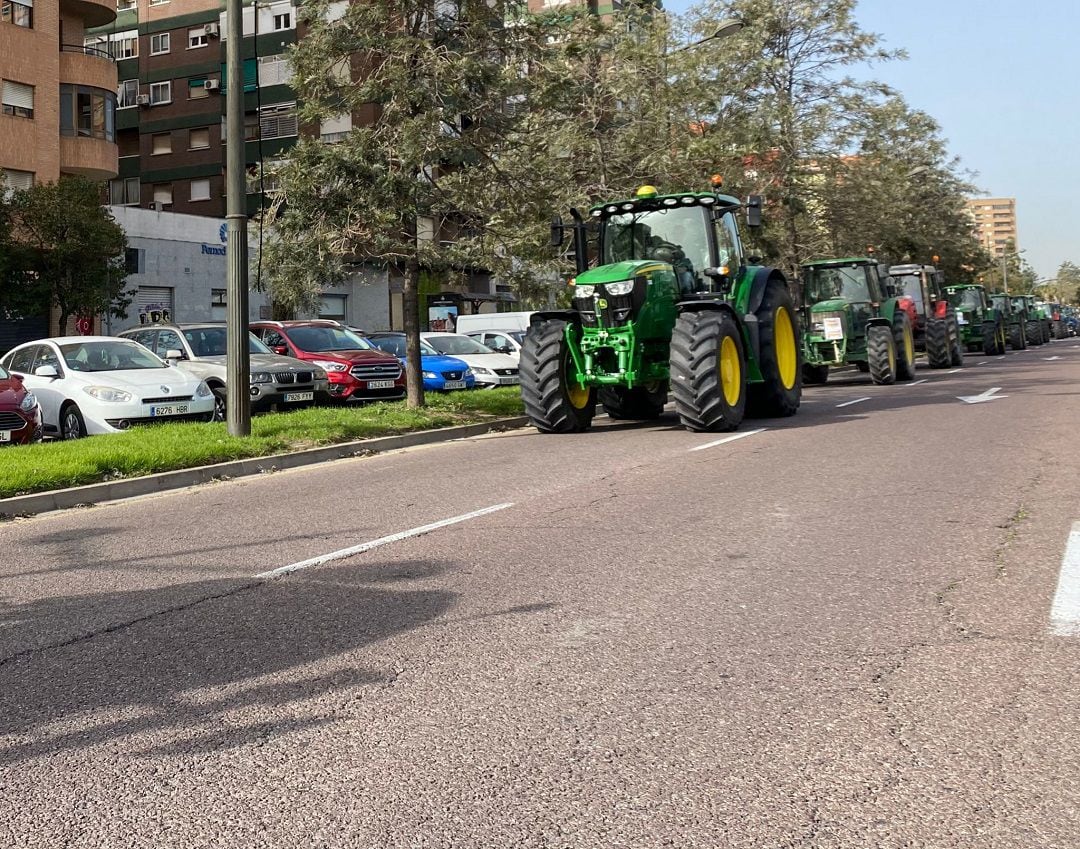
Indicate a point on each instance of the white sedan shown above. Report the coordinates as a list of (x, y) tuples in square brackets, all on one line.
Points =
[(491, 369), (100, 384)]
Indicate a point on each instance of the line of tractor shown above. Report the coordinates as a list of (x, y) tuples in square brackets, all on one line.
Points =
[(667, 304)]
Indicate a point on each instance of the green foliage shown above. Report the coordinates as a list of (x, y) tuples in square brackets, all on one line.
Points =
[(65, 250)]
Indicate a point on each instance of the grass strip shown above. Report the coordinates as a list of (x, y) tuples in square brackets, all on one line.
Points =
[(168, 447)]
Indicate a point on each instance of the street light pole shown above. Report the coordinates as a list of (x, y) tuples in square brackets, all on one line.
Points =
[(238, 374), (723, 30)]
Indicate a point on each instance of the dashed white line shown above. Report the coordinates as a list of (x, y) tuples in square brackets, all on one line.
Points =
[(954, 371), (982, 362), (728, 439), (375, 543), (856, 401), (917, 382), (1065, 610)]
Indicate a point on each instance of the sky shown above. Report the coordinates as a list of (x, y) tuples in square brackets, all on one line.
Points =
[(1003, 81)]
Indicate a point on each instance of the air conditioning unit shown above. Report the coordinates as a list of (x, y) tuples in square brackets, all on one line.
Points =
[(213, 30), (143, 99), (212, 85)]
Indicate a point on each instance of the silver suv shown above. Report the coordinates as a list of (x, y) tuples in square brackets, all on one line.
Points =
[(276, 381)]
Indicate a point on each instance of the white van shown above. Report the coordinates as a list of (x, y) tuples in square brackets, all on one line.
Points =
[(492, 321)]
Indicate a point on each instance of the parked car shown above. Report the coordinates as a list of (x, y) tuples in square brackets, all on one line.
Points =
[(491, 369), (101, 384), (356, 369), (501, 341), (440, 373), (472, 322), (20, 415), (199, 349)]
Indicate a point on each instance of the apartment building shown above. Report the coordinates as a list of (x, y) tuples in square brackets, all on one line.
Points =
[(994, 220), (170, 55)]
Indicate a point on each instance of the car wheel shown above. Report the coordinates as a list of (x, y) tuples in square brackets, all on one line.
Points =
[(72, 425), (220, 410)]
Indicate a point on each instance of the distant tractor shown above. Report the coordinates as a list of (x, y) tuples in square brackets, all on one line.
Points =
[(1036, 329), (1053, 314), (920, 292), (675, 304), (1015, 319), (982, 325), (850, 318)]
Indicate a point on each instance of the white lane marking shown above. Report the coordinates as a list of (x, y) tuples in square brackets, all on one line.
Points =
[(1065, 611), (375, 543), (856, 401), (1002, 356), (1048, 359), (917, 382), (954, 371), (982, 362), (728, 439), (988, 395)]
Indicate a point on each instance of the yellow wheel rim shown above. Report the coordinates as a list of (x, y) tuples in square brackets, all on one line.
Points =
[(578, 395), (730, 371), (909, 344), (787, 356), (892, 359)]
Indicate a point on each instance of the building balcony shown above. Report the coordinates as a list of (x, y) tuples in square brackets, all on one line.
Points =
[(95, 159), (87, 66), (94, 13)]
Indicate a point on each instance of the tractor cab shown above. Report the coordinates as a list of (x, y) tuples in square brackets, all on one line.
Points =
[(840, 296), (983, 326), (919, 288)]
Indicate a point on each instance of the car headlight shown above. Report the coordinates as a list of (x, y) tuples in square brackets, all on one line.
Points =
[(468, 373), (329, 366), (584, 291), (319, 374), (28, 402), (261, 377), (623, 287), (107, 393), (481, 370), (202, 390), (430, 375)]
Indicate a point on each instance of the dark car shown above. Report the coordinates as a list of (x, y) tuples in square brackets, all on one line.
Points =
[(20, 415), (356, 369)]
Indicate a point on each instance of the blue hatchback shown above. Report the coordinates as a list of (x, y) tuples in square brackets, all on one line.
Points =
[(441, 373)]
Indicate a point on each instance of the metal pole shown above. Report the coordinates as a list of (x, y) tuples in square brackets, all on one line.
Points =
[(238, 376), (1005, 272)]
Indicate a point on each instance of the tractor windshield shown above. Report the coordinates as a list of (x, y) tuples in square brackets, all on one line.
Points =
[(826, 284), (678, 236), (910, 286), (966, 299)]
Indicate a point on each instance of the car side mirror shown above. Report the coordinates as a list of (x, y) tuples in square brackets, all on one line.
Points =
[(753, 211), (174, 354), (556, 231), (46, 371), (280, 349)]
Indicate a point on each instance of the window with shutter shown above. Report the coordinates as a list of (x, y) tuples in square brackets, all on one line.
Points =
[(162, 143), (278, 121), (274, 70), (199, 138), (200, 189), (18, 99), (16, 181), (163, 193)]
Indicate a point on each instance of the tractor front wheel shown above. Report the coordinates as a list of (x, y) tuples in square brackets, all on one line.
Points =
[(708, 371), (956, 355), (554, 401), (780, 390), (881, 354), (814, 375), (1033, 333), (904, 341), (641, 402), (938, 343), (1017, 339)]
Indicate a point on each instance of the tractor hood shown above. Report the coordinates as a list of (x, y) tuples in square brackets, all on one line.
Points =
[(833, 305), (626, 270)]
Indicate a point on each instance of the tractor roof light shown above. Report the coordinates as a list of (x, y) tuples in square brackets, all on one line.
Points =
[(707, 201), (612, 209), (671, 202), (627, 207), (647, 192), (688, 200), (596, 213)]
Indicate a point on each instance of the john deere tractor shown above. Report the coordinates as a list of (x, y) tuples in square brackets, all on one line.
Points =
[(1036, 325), (921, 294), (982, 326), (1015, 319), (850, 317), (673, 304)]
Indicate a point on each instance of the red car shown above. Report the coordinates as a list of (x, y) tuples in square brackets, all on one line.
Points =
[(20, 415), (358, 371)]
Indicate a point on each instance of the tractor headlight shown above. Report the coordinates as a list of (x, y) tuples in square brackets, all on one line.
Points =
[(623, 287), (584, 291)]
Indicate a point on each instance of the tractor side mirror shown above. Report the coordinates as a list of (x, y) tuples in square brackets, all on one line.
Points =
[(556, 231), (755, 259), (753, 211)]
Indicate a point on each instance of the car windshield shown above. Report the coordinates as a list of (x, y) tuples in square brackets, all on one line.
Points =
[(457, 345), (211, 341), (3, 374), (678, 236), (313, 338), (965, 299), (517, 335), (910, 286), (108, 355), (847, 282)]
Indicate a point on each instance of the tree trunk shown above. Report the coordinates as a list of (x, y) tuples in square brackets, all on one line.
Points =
[(410, 302)]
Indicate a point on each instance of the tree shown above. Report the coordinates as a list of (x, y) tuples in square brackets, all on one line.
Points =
[(436, 173), (68, 252)]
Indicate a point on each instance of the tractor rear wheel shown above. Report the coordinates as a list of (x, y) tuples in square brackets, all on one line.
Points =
[(1017, 339), (708, 371), (956, 355), (554, 402), (904, 341), (990, 338), (780, 391), (814, 375), (881, 354), (938, 343), (1033, 333), (641, 402), (1002, 339)]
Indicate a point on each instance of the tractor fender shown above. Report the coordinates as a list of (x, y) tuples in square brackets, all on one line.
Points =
[(757, 287), (569, 316), (749, 323), (878, 321)]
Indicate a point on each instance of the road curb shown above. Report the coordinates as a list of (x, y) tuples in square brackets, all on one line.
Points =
[(95, 493)]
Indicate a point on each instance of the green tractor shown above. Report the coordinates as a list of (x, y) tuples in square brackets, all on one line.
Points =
[(1015, 317), (982, 325), (674, 303), (921, 294), (1036, 325), (851, 318), (1054, 319)]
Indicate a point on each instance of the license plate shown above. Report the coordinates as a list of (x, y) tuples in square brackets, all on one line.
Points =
[(5, 436), (508, 380), (380, 384), (169, 410), (834, 328), (960, 319), (299, 396), (454, 384)]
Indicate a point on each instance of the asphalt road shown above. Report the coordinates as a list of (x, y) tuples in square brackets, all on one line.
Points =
[(834, 632)]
